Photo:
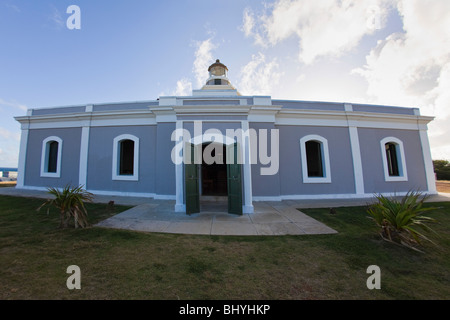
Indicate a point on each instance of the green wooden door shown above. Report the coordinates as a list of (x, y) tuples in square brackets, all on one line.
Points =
[(191, 179), (234, 180)]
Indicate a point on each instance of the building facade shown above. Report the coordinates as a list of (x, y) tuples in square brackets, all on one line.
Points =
[(218, 142)]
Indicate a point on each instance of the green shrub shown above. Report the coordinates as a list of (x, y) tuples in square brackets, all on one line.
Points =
[(402, 221), (442, 169), (70, 203)]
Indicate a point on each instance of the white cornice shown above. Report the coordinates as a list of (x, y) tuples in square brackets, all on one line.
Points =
[(263, 113), (100, 118), (164, 114), (211, 109), (255, 113), (351, 119)]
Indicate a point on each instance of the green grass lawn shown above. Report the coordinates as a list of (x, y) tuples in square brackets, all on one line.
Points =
[(119, 264)]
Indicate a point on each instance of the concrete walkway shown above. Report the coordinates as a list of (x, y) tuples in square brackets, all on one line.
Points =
[(269, 218)]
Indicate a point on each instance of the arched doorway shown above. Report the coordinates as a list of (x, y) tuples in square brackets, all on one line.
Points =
[(218, 173)]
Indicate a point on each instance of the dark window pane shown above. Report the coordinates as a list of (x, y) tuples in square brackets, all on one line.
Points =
[(52, 163), (217, 82), (126, 157), (314, 159), (392, 160)]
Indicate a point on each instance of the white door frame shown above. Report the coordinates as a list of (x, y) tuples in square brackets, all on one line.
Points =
[(247, 206)]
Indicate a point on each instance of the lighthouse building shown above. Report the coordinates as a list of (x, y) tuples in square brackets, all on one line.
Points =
[(217, 143)]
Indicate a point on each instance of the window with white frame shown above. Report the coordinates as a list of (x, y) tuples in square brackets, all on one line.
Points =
[(51, 155), (315, 159), (394, 161), (125, 158)]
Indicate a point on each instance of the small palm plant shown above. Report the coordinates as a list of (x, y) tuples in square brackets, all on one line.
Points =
[(70, 203), (402, 221)]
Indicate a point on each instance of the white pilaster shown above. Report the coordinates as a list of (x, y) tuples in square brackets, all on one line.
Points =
[(429, 169), (247, 168), (179, 187), (357, 163), (22, 157), (84, 149)]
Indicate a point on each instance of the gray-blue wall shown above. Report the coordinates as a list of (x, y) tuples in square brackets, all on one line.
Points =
[(165, 168), (341, 163), (157, 171), (264, 185), (70, 160), (100, 159), (372, 160)]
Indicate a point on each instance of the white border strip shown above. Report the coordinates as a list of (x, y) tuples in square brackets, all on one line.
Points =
[(348, 196), (403, 172), (429, 168), (357, 162), (116, 160), (45, 156), (325, 159), (22, 158), (84, 148), (255, 198), (111, 193)]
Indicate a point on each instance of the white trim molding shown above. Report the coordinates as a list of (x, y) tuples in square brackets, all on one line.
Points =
[(247, 170), (429, 169), (116, 158), (179, 181), (45, 157), (342, 196), (401, 160), (22, 159), (357, 162), (325, 159), (84, 149)]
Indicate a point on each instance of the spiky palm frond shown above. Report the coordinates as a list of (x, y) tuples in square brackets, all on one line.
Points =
[(70, 203), (402, 220)]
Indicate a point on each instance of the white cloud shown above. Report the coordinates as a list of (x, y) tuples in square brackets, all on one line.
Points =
[(322, 28), (9, 135), (13, 7), (203, 59), (259, 77), (184, 87), (13, 104), (57, 18), (248, 22), (412, 68), (9, 158)]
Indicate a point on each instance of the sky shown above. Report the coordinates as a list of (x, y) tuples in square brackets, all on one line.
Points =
[(387, 52)]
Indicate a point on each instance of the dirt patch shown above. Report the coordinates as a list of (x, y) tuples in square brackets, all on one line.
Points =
[(7, 184), (443, 186)]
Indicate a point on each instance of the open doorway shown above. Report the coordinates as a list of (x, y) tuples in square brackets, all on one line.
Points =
[(215, 185), (213, 179), (214, 175)]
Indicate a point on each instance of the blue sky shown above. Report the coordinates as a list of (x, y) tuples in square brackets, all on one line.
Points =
[(393, 52)]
